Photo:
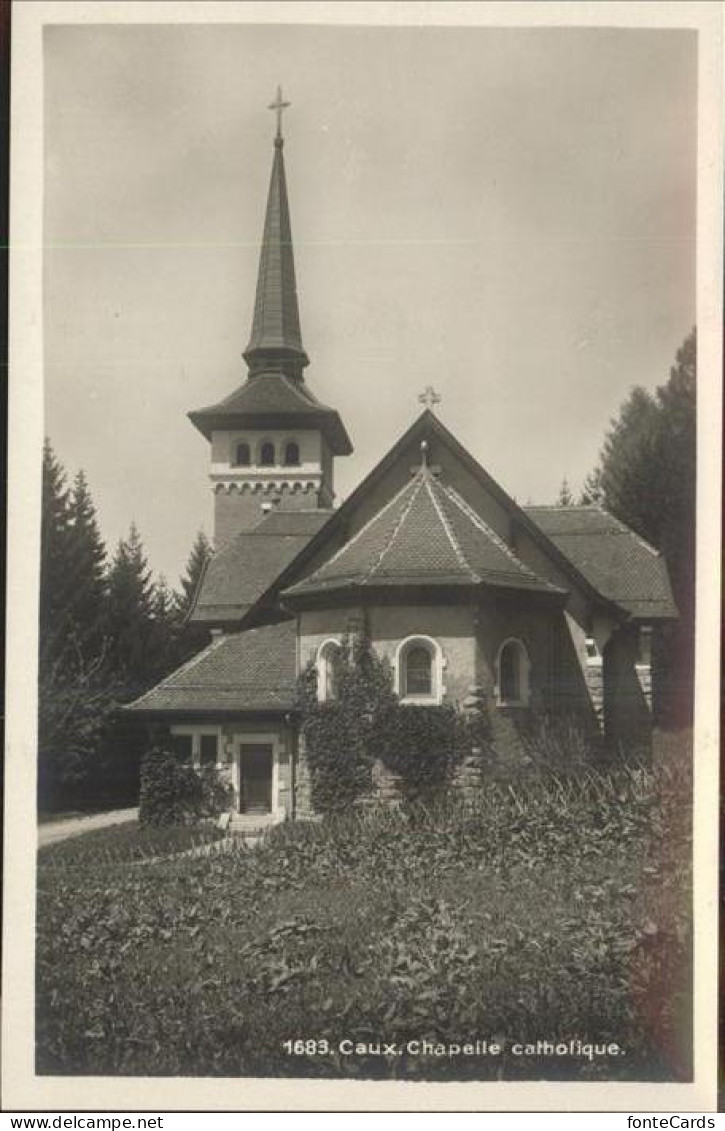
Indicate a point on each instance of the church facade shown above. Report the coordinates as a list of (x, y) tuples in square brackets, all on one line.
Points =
[(518, 612)]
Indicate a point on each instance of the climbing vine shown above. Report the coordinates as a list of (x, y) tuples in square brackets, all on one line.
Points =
[(366, 723)]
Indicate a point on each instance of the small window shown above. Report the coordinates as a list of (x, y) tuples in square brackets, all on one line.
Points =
[(418, 671), (182, 745), (328, 670), (513, 674), (208, 749), (292, 454), (419, 664), (266, 454), (242, 455)]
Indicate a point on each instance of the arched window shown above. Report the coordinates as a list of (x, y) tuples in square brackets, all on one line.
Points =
[(242, 455), (512, 670), (292, 454), (266, 454), (418, 671), (328, 667), (419, 667)]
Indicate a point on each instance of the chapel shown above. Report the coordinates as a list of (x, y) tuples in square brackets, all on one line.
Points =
[(477, 602)]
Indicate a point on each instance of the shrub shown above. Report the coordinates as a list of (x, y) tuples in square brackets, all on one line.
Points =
[(419, 744), (217, 796), (171, 793)]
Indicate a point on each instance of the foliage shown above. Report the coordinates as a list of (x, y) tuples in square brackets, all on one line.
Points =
[(646, 477), (565, 499), (419, 744), (129, 616), (556, 909), (217, 796), (124, 843), (559, 743), (107, 633), (75, 690), (171, 792), (338, 734)]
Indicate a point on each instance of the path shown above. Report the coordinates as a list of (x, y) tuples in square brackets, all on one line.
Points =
[(67, 827)]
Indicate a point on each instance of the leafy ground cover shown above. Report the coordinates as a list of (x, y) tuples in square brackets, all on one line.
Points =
[(122, 843), (557, 911)]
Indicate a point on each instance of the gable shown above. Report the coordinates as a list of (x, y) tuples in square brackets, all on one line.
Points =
[(476, 488)]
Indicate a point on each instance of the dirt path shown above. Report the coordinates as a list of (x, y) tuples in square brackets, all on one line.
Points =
[(74, 826)]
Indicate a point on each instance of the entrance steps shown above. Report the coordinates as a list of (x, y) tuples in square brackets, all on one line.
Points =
[(250, 824)]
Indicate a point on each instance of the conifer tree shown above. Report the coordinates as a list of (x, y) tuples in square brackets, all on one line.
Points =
[(646, 476), (201, 551), (191, 638), (566, 499), (129, 619), (164, 637), (87, 562), (73, 691), (56, 581)]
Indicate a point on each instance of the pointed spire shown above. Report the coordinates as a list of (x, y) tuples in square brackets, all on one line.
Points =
[(276, 340)]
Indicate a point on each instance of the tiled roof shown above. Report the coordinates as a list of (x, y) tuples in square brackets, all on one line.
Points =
[(241, 571), (426, 535), (276, 323), (616, 561), (271, 399), (247, 671)]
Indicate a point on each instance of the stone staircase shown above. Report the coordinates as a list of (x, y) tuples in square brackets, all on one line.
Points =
[(249, 825)]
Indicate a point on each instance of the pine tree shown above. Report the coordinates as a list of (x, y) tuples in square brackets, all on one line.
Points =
[(566, 499), (87, 560), (56, 578), (191, 638), (73, 692), (591, 492), (164, 636), (129, 619), (201, 551), (646, 476)]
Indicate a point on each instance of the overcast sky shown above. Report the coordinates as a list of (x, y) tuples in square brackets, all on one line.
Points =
[(508, 215)]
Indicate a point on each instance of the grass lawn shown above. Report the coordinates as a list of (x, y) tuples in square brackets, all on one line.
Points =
[(556, 912)]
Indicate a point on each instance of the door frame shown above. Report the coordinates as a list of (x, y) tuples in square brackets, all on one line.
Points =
[(266, 739)]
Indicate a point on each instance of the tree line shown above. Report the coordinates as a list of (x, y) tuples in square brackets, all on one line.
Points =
[(108, 632), (646, 476)]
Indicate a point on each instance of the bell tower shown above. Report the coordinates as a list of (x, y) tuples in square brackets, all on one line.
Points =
[(272, 442)]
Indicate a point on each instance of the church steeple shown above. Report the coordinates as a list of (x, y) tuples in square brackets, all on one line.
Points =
[(272, 442), (276, 341)]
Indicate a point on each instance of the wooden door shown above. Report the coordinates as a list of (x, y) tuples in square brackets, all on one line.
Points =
[(255, 779)]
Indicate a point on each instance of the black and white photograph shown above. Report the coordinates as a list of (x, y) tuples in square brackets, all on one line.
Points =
[(364, 551)]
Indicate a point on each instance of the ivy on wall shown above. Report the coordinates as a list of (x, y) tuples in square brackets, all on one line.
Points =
[(365, 722)]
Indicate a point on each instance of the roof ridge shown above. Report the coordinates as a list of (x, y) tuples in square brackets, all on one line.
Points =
[(563, 507), (489, 531), (457, 550), (417, 483), (351, 542)]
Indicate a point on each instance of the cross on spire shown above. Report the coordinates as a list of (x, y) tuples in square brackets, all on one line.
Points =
[(279, 106), (429, 397)]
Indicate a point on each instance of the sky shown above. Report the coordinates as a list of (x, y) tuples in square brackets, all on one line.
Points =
[(507, 215)]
